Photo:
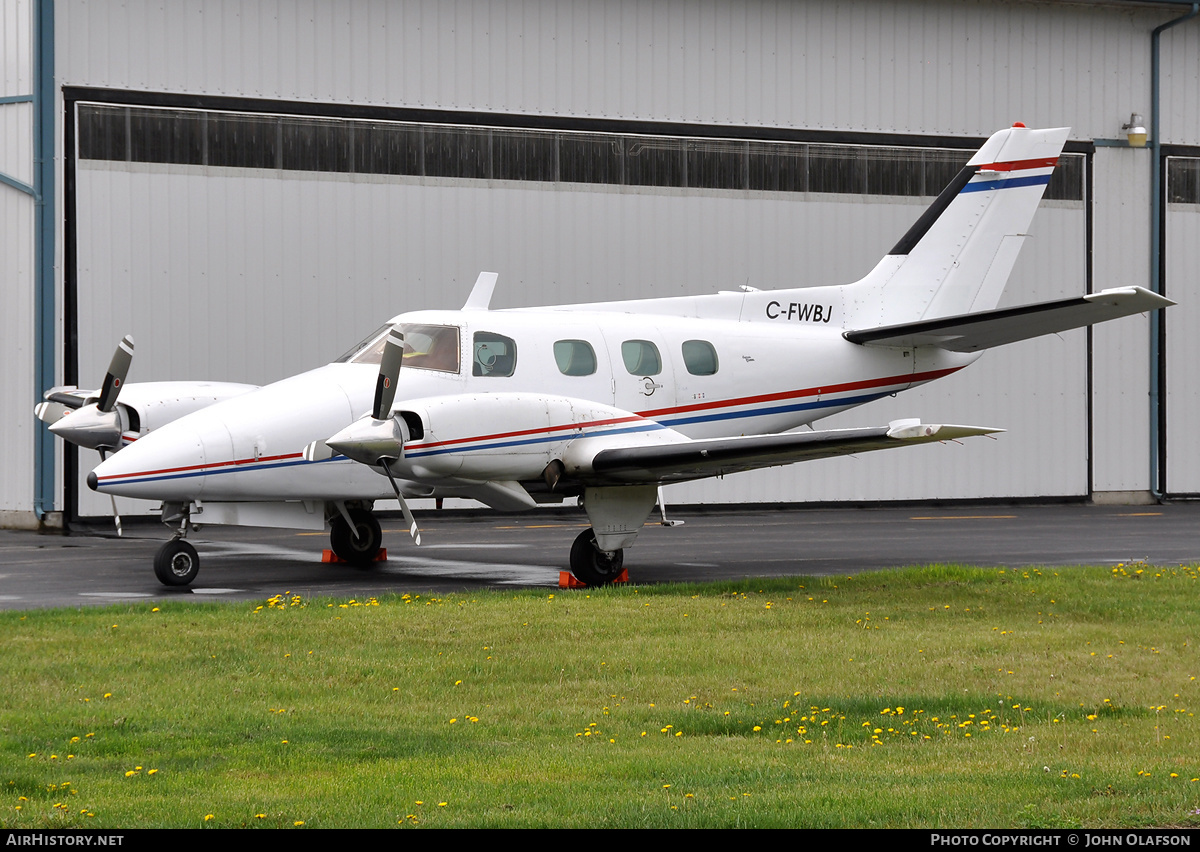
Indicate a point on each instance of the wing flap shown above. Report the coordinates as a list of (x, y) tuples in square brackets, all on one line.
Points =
[(983, 330), (689, 460)]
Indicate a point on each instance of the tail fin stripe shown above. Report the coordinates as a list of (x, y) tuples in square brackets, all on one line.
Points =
[(1007, 183), (1020, 165), (922, 225)]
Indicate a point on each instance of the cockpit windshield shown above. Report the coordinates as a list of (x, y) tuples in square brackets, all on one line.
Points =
[(426, 347)]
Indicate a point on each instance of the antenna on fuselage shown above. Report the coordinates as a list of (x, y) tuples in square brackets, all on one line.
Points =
[(481, 293)]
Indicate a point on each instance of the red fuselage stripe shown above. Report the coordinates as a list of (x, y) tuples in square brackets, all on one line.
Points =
[(909, 378), (213, 466), (824, 389)]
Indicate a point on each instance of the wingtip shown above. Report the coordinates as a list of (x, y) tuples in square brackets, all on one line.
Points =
[(908, 430)]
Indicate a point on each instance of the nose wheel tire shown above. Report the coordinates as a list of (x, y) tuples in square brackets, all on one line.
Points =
[(176, 563), (590, 564), (360, 550)]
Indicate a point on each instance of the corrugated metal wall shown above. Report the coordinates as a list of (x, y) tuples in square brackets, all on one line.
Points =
[(949, 67), (1121, 379), (17, 393), (229, 275)]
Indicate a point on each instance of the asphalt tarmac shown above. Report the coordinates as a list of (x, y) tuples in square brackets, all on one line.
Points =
[(461, 552)]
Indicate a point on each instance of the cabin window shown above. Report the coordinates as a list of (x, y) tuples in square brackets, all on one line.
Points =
[(641, 358), (700, 357), (426, 347), (495, 355), (575, 357)]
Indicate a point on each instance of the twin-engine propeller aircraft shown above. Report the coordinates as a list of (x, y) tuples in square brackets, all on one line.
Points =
[(604, 401)]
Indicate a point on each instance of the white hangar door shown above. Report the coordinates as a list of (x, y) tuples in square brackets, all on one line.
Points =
[(1181, 262)]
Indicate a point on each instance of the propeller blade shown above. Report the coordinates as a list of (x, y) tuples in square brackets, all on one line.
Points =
[(68, 395), (389, 370), (118, 368), (317, 451), (408, 515), (113, 498)]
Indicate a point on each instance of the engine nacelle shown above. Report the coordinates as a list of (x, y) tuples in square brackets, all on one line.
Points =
[(505, 436)]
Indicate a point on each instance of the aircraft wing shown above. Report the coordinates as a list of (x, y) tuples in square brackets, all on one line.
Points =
[(983, 330), (680, 462)]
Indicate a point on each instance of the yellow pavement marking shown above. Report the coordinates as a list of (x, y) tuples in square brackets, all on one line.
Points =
[(961, 517)]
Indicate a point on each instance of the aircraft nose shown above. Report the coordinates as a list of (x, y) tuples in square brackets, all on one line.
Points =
[(167, 464)]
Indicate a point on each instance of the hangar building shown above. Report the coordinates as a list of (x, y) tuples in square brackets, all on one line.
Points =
[(248, 187)]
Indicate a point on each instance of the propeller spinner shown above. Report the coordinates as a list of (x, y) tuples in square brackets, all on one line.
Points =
[(377, 439), (97, 426)]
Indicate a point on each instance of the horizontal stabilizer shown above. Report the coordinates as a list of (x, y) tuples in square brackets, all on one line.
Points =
[(985, 329), (719, 456)]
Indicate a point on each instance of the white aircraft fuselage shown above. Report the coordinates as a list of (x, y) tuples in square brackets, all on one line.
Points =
[(604, 401), (775, 371)]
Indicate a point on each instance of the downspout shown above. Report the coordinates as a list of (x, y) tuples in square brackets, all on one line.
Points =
[(43, 250)]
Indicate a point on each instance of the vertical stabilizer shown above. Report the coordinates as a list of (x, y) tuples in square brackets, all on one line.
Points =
[(957, 257)]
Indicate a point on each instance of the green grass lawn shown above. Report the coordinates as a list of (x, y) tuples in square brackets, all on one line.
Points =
[(930, 697)]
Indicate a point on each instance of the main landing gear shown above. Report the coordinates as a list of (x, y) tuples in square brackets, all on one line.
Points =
[(590, 564), (357, 542)]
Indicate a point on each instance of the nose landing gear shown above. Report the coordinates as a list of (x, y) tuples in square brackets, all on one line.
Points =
[(177, 563)]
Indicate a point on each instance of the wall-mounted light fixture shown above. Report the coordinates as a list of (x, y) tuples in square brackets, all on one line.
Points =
[(1135, 131)]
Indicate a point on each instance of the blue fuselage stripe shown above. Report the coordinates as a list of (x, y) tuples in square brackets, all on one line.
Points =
[(778, 409), (646, 426), (497, 445)]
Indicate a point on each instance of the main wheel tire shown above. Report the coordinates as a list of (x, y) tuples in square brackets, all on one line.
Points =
[(360, 550), (176, 563), (591, 565)]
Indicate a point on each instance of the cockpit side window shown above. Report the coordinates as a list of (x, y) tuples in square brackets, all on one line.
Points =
[(426, 347), (494, 355), (431, 347)]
